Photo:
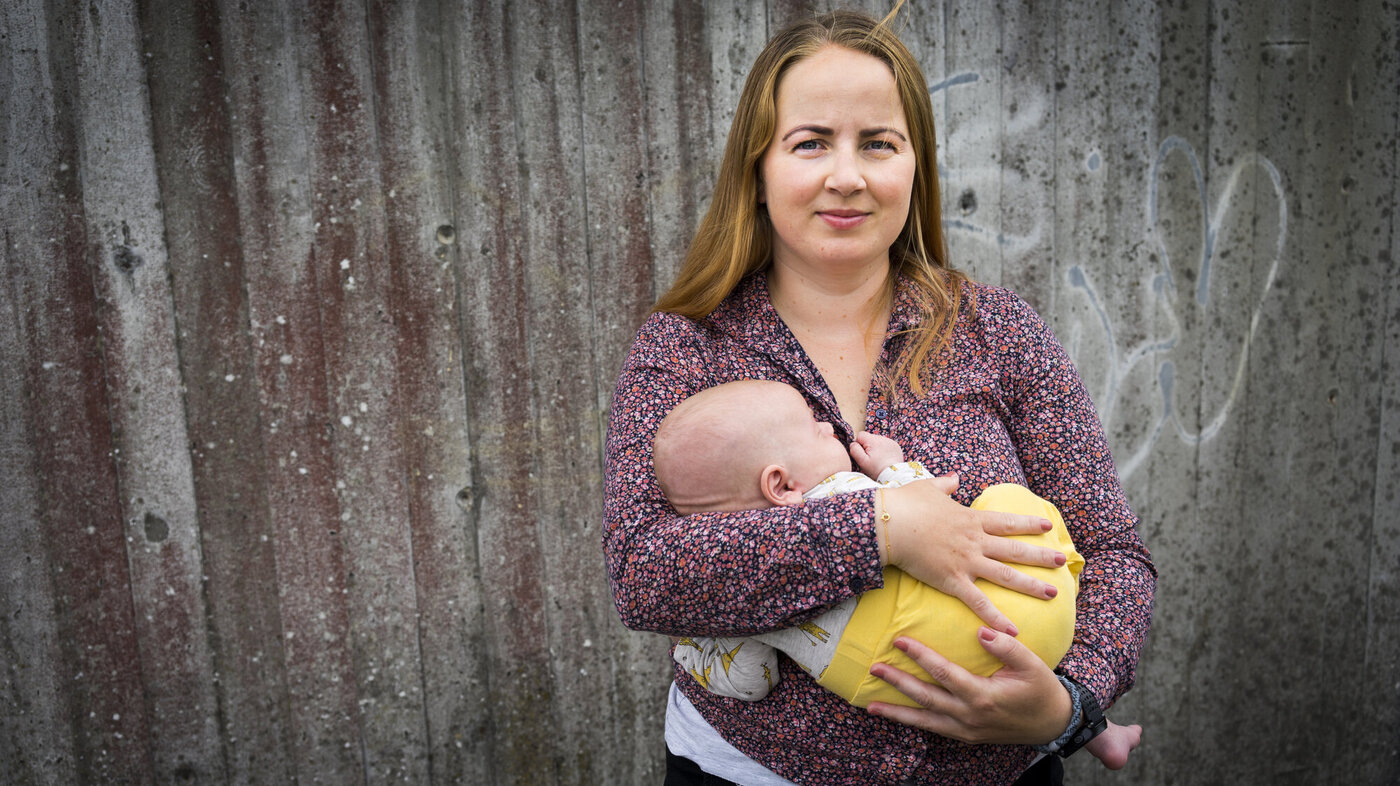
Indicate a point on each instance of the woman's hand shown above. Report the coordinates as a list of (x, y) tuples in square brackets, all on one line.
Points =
[(1023, 703), (948, 546)]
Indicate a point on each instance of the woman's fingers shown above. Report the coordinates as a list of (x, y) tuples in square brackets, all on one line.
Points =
[(946, 708), (1023, 553), (1003, 575), (994, 523), (952, 679), (1022, 702), (981, 605), (939, 705), (932, 695), (1015, 655)]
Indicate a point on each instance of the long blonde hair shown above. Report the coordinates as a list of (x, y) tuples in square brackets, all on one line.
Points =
[(735, 238)]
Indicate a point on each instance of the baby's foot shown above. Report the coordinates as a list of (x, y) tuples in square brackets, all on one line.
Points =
[(1114, 743)]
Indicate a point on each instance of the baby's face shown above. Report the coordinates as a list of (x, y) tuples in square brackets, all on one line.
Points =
[(812, 444)]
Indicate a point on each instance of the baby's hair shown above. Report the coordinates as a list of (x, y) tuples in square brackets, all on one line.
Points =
[(716, 433)]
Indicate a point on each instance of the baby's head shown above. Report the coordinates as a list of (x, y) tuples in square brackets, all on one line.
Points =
[(742, 446)]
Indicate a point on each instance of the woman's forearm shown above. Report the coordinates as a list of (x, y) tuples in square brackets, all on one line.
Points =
[(734, 574), (1115, 602)]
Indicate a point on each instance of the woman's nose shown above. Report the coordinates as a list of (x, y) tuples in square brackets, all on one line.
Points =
[(845, 177)]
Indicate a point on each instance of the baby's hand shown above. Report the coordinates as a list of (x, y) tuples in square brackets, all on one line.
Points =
[(874, 453)]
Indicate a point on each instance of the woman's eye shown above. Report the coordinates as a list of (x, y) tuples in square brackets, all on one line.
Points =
[(808, 144), (882, 146)]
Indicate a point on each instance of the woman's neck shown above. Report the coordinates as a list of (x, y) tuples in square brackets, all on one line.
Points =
[(851, 300), (840, 321)]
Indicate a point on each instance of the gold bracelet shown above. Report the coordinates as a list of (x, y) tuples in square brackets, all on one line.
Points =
[(885, 523)]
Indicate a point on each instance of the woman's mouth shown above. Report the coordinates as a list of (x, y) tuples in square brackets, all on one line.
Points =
[(843, 219)]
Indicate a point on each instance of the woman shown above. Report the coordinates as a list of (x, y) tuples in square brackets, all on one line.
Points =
[(821, 264)]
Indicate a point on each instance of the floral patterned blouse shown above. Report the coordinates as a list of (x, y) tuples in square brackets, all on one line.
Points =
[(1007, 406)]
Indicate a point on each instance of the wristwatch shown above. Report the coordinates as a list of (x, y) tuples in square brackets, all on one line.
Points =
[(1086, 723)]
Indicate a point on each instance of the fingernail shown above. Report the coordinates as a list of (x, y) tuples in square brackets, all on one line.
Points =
[(1011, 630), (987, 634), (901, 645), (1059, 559), (1051, 592), (1045, 525)]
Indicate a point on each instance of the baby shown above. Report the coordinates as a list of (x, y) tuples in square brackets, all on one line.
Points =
[(755, 444)]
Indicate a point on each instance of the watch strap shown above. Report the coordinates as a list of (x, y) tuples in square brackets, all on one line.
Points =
[(1091, 720)]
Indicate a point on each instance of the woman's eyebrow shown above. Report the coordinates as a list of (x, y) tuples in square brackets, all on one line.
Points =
[(819, 130), (824, 131), (878, 131)]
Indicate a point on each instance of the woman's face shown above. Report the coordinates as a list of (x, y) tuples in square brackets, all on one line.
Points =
[(839, 171)]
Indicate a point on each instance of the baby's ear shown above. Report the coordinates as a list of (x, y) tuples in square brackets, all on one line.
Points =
[(776, 486)]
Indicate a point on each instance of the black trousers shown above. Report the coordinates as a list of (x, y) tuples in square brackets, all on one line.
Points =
[(1049, 771), (680, 771)]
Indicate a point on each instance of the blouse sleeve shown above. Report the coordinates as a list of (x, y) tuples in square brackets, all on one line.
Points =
[(1065, 455), (713, 574)]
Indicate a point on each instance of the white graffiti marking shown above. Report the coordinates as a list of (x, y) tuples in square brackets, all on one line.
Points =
[(1163, 289), (1165, 292)]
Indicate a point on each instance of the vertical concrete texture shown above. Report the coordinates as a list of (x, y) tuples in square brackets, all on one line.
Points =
[(311, 310)]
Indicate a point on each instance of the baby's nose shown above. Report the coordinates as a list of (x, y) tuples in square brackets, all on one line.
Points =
[(828, 428)]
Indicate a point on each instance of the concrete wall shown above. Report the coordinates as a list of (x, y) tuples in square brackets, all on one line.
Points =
[(311, 312)]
